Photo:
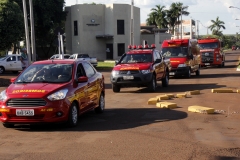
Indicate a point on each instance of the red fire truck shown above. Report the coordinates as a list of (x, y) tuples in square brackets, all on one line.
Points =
[(184, 56), (211, 52)]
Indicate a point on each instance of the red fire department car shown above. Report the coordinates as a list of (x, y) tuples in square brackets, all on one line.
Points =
[(52, 91), (140, 67)]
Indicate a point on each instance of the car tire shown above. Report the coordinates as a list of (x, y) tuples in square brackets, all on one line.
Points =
[(188, 75), (152, 84), (7, 125), (116, 88), (2, 70), (101, 105), (165, 80), (198, 72), (73, 115)]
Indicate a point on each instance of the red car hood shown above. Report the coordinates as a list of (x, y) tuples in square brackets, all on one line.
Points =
[(133, 66), (32, 89), (176, 61)]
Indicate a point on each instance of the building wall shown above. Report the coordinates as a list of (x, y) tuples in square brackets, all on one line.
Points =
[(105, 23)]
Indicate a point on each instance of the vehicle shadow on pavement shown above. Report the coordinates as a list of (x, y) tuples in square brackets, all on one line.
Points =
[(114, 119), (170, 88)]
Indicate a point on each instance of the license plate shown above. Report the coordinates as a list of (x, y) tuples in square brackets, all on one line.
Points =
[(128, 77), (171, 73), (207, 64), (25, 112)]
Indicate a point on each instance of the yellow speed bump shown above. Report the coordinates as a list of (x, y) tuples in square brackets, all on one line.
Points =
[(195, 92), (223, 90), (162, 97), (201, 109), (169, 105), (152, 101), (181, 95), (170, 96)]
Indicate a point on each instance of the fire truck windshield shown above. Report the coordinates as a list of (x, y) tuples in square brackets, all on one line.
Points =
[(175, 51), (137, 58), (208, 45)]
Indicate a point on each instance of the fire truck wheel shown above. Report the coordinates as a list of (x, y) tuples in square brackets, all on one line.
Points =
[(223, 64), (152, 85), (165, 80), (198, 72), (116, 88), (188, 75)]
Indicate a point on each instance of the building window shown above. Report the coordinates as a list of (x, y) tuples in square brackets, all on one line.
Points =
[(121, 49), (120, 26), (75, 25)]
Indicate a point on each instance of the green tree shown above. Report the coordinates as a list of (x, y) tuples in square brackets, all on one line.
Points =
[(216, 26), (158, 17), (11, 24)]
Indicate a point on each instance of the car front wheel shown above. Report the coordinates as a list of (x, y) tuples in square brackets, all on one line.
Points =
[(73, 115), (152, 84)]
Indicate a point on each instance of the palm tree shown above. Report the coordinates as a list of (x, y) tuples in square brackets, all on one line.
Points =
[(216, 26), (176, 10), (157, 17)]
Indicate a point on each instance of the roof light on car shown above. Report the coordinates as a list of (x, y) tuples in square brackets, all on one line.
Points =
[(140, 47), (134, 47), (153, 46), (146, 46), (129, 47)]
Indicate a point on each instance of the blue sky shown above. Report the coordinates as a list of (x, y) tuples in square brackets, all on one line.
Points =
[(202, 10)]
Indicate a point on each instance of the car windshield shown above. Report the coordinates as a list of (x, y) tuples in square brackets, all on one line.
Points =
[(174, 51), (208, 45), (2, 58), (137, 58), (46, 73)]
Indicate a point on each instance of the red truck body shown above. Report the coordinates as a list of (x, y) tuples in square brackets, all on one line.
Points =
[(211, 52), (184, 56)]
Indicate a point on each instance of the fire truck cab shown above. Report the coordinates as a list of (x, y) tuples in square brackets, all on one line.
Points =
[(211, 52), (184, 56)]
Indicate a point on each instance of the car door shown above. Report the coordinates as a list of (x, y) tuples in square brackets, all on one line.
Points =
[(10, 63), (92, 84), (157, 65), (81, 89), (161, 65), (18, 64)]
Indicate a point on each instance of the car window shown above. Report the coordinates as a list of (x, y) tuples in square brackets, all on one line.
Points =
[(80, 71), (88, 69), (66, 56), (18, 58), (12, 58)]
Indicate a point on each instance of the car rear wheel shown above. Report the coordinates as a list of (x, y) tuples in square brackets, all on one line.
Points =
[(188, 75), (7, 125), (2, 70), (116, 88), (101, 105), (73, 115), (152, 85), (165, 80)]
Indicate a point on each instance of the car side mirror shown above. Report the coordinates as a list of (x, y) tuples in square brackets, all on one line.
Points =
[(12, 80), (116, 62), (158, 60), (82, 79)]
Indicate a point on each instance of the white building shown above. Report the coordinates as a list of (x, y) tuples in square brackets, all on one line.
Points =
[(102, 31)]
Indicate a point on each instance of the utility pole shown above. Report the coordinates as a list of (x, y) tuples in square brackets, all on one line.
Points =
[(32, 31), (26, 31), (181, 22), (132, 25)]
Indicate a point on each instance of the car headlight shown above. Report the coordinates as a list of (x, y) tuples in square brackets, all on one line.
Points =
[(114, 73), (145, 71), (182, 65), (58, 95), (3, 95)]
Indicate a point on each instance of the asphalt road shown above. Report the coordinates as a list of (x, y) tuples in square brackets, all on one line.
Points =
[(129, 129)]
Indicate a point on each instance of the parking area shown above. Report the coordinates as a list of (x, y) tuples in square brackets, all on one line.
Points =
[(131, 129)]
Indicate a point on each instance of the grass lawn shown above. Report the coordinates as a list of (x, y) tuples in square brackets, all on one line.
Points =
[(105, 66)]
